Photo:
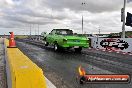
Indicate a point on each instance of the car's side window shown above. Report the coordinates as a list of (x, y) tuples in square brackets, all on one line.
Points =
[(53, 32), (57, 32)]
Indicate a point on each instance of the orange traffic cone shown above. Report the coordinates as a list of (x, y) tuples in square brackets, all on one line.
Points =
[(12, 43)]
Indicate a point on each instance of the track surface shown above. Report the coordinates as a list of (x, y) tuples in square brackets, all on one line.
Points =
[(2, 66), (61, 68)]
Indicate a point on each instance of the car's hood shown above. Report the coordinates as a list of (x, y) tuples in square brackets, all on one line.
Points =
[(76, 37)]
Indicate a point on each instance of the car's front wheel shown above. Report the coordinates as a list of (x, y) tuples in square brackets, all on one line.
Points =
[(78, 49), (46, 43), (56, 47)]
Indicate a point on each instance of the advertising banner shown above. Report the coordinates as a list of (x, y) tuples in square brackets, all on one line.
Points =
[(116, 44)]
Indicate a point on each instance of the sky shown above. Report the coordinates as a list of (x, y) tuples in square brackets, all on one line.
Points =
[(21, 15)]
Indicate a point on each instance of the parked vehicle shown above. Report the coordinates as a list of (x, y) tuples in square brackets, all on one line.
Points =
[(65, 39)]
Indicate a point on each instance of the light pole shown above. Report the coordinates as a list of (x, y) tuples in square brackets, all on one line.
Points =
[(82, 24), (98, 37), (30, 30), (83, 3), (38, 33), (123, 25), (99, 30)]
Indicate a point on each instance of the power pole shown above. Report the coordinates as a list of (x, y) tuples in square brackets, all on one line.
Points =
[(123, 25)]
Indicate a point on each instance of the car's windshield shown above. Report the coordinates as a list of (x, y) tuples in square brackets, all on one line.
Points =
[(64, 32)]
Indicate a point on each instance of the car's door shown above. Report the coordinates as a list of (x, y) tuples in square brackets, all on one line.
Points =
[(50, 37)]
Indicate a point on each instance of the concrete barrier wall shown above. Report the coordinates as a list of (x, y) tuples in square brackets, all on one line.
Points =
[(116, 44), (23, 72)]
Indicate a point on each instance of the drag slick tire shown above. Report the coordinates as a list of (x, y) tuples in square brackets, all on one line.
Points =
[(78, 49)]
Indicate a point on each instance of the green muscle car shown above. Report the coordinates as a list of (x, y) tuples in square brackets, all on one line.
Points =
[(64, 38)]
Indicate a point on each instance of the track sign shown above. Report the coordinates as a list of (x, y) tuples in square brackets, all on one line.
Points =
[(129, 19)]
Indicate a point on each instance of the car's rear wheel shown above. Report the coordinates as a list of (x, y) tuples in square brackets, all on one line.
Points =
[(78, 49)]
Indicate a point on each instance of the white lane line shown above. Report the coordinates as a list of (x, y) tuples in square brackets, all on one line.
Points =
[(49, 84)]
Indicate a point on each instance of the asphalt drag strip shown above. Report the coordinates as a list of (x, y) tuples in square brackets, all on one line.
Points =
[(2, 65), (61, 68)]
